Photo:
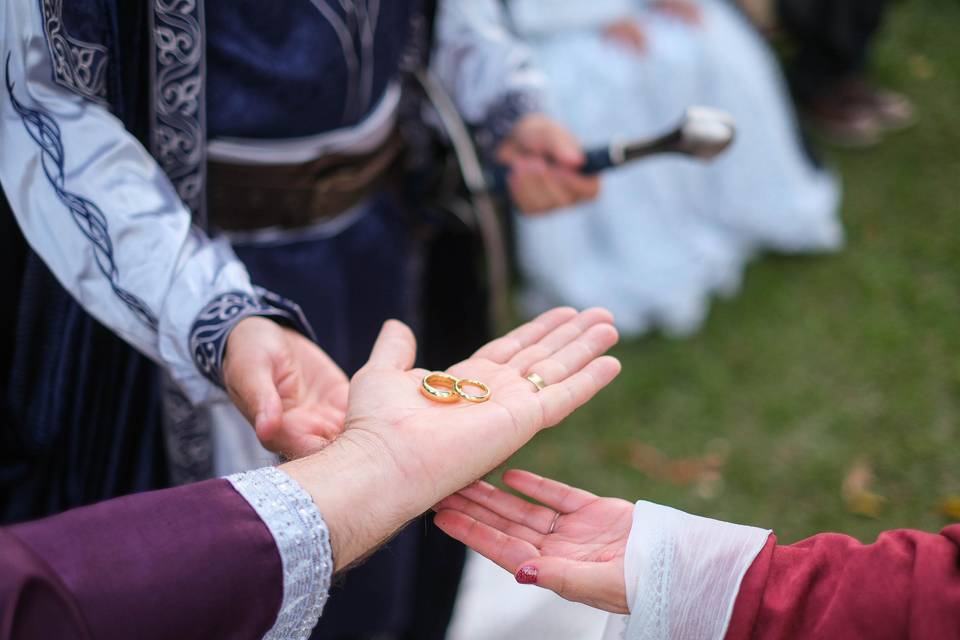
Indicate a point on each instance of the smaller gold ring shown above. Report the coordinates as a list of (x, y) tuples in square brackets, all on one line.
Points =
[(436, 391), (483, 396), (537, 381)]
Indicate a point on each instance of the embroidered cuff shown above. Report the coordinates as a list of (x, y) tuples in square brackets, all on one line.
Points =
[(208, 335), (303, 541), (502, 117)]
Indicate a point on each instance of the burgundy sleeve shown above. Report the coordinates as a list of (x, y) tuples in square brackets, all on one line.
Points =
[(905, 585), (191, 562)]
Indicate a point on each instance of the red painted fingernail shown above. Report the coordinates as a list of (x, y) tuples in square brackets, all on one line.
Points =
[(527, 575)]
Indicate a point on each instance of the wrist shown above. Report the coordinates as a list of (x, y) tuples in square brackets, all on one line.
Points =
[(360, 492)]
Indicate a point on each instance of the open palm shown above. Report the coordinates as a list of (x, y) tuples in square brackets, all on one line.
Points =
[(440, 448), (573, 545)]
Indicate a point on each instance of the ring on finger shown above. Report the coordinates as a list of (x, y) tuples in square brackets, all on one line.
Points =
[(553, 525), (537, 381), (483, 396), (440, 387)]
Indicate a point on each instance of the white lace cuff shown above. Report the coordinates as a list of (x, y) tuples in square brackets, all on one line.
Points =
[(683, 573), (303, 541)]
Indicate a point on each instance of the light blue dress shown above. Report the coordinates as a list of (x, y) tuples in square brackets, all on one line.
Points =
[(669, 233)]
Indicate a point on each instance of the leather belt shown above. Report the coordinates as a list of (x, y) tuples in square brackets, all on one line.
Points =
[(245, 197)]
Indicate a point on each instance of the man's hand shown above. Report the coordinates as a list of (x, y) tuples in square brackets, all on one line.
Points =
[(293, 394), (402, 453), (543, 158)]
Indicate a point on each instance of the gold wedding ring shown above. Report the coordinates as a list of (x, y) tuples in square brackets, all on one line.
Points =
[(440, 387), (537, 381), (443, 387), (483, 396)]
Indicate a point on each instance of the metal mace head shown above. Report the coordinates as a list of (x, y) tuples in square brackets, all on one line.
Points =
[(705, 132)]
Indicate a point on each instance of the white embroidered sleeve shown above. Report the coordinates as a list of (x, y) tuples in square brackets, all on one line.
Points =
[(683, 573), (105, 219), (488, 72), (303, 541)]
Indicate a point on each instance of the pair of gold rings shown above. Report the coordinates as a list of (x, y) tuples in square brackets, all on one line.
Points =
[(443, 387)]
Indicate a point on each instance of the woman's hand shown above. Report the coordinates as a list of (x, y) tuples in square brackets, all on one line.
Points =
[(573, 546), (685, 10), (293, 394), (401, 453), (629, 33)]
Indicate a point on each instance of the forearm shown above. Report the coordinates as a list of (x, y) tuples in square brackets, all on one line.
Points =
[(487, 71), (906, 584)]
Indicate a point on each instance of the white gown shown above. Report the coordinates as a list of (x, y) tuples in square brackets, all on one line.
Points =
[(667, 233)]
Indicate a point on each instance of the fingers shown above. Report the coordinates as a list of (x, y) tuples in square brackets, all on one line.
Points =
[(559, 400), (556, 495), (574, 356), (395, 348), (509, 507), (599, 584), (480, 513), (502, 349), (560, 337), (505, 550), (538, 186), (561, 145)]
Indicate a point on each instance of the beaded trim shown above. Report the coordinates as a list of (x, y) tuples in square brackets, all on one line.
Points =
[(303, 541)]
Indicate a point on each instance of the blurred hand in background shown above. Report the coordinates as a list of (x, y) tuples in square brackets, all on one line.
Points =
[(543, 158)]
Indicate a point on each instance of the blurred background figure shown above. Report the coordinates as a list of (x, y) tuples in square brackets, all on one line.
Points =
[(831, 42), (669, 233)]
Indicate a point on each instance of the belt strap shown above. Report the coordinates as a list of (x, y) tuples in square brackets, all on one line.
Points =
[(249, 197)]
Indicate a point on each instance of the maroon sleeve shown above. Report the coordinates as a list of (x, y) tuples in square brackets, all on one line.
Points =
[(905, 585), (190, 562)]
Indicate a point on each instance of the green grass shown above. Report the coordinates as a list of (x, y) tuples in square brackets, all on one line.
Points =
[(819, 361)]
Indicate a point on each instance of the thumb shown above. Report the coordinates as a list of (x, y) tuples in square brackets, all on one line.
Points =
[(563, 146), (598, 584), (395, 348)]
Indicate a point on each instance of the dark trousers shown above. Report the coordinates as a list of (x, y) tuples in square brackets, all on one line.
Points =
[(832, 39)]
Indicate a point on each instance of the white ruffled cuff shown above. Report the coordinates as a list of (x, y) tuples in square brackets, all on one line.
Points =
[(683, 573)]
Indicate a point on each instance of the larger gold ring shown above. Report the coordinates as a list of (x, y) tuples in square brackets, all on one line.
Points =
[(439, 387), (483, 396)]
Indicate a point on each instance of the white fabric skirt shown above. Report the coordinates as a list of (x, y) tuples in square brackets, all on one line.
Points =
[(669, 233)]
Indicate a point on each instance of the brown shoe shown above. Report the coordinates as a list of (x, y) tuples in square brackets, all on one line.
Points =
[(893, 111), (842, 121)]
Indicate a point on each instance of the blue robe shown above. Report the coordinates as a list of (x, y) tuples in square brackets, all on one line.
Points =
[(270, 73)]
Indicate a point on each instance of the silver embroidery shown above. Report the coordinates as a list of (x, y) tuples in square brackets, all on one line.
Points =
[(179, 109), (303, 541), (77, 65)]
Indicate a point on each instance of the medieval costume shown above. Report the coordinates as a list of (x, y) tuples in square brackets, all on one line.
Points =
[(693, 577), (129, 128), (267, 563)]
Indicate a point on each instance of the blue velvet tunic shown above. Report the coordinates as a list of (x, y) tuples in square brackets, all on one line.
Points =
[(287, 69)]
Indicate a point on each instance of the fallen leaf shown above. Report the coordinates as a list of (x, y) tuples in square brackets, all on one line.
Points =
[(949, 508), (857, 491)]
